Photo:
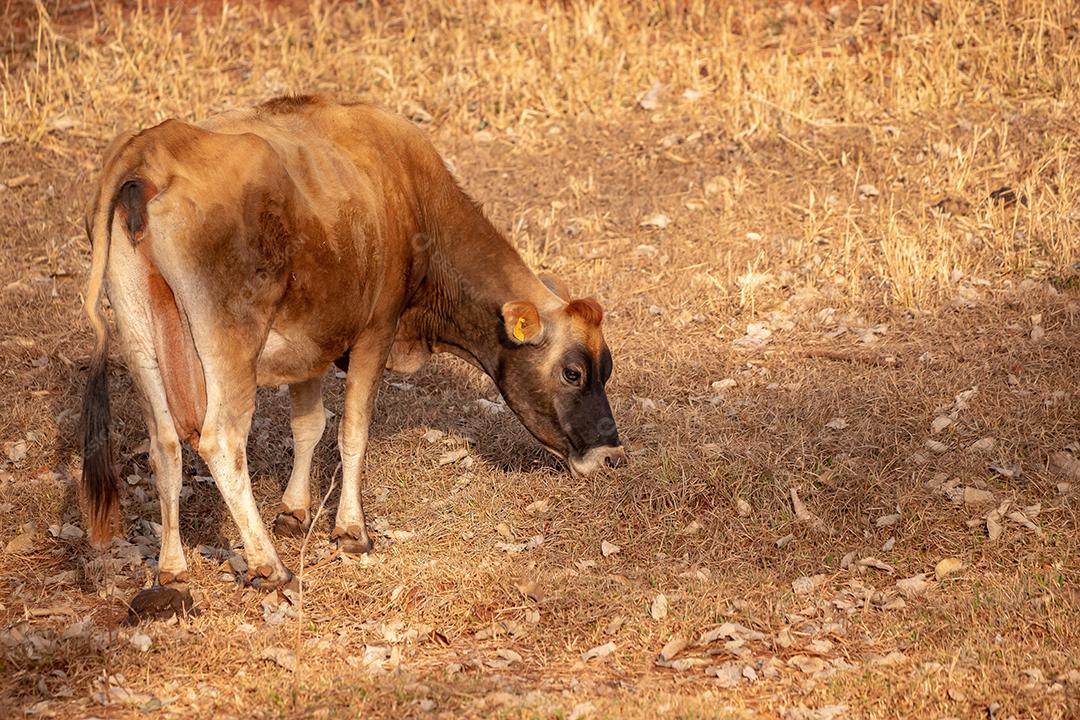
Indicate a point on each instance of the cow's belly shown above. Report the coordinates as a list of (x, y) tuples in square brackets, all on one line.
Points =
[(289, 358)]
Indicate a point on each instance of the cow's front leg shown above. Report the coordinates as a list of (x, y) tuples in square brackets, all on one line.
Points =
[(308, 423), (366, 361)]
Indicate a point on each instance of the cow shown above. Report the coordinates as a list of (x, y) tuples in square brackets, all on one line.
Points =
[(260, 246)]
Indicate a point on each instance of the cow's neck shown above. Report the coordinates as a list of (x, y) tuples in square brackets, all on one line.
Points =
[(472, 272)]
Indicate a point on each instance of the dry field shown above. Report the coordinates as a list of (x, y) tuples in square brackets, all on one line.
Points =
[(837, 246)]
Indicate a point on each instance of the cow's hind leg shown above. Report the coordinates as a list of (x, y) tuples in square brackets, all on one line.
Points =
[(171, 595), (222, 444), (132, 299), (366, 362), (308, 424)]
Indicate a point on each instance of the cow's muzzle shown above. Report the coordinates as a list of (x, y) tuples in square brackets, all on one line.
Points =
[(590, 461)]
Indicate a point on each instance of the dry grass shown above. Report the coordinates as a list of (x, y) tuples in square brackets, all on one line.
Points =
[(769, 126)]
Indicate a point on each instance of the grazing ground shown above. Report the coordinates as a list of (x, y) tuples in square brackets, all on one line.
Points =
[(837, 246)]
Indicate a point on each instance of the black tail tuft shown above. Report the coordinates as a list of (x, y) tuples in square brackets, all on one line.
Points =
[(100, 481)]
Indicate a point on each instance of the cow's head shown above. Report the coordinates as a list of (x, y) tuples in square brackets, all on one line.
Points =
[(552, 369)]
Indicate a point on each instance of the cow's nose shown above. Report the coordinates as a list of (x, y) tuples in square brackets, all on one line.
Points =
[(615, 457)]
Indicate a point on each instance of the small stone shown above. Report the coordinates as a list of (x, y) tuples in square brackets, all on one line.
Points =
[(141, 641)]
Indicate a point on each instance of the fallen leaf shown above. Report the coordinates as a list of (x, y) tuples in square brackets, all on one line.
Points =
[(452, 456), (71, 532), (733, 631), (913, 587), (21, 543), (1065, 464), (806, 585), (509, 655), (659, 608), (15, 451), (649, 100), (615, 625), (531, 544), (1009, 472), (607, 549), (673, 647), (538, 507), (873, 562), (282, 656), (948, 566), (727, 675), (600, 651), (531, 589), (804, 515), (811, 665), (985, 444), (894, 657), (1022, 518), (887, 520), (936, 446), (940, 423), (974, 497), (657, 220)]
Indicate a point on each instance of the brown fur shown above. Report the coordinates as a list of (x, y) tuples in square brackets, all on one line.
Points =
[(178, 360), (587, 309), (276, 240)]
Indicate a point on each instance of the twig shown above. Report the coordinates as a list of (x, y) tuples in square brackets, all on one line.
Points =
[(854, 357), (300, 579)]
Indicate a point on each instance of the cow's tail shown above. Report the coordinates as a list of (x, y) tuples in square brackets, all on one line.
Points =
[(99, 487)]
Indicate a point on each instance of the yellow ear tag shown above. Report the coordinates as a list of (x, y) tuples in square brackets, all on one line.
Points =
[(519, 330)]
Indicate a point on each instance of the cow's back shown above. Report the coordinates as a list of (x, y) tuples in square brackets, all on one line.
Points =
[(328, 193)]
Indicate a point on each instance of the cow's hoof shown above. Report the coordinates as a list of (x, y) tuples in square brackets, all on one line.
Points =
[(161, 602), (265, 578), (354, 541), (177, 580), (291, 523)]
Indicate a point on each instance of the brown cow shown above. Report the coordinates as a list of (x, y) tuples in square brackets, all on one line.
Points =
[(260, 246)]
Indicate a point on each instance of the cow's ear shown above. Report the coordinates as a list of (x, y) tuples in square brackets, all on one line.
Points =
[(521, 320), (556, 285)]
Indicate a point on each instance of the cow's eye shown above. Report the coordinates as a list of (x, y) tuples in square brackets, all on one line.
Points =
[(571, 376)]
